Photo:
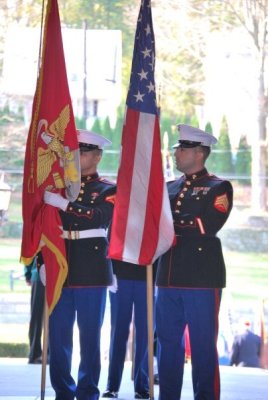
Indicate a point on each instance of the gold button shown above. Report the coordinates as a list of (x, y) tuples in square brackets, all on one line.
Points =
[(79, 210), (191, 222), (92, 201), (181, 195), (185, 189), (71, 208), (88, 212), (197, 198), (79, 198), (83, 184), (82, 191), (188, 183), (194, 176), (200, 249), (177, 211), (96, 247), (182, 221), (178, 203)]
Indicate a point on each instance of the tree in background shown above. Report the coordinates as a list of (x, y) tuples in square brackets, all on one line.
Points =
[(243, 162), (111, 154), (250, 17), (80, 123), (179, 57), (110, 160), (97, 126), (107, 130), (182, 30), (211, 163), (194, 121), (208, 128), (117, 131), (220, 161)]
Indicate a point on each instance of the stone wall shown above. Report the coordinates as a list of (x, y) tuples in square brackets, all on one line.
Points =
[(245, 233)]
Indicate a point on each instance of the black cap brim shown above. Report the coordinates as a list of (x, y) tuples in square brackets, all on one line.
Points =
[(87, 147), (186, 144)]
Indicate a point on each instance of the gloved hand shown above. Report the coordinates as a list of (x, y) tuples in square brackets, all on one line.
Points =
[(42, 274), (55, 200), (114, 286)]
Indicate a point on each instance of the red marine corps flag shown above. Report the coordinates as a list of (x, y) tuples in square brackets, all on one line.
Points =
[(51, 160), (142, 226)]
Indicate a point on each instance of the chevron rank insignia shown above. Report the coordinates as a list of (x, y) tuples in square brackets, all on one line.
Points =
[(221, 203)]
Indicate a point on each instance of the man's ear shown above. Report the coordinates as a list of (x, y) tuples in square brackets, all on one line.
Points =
[(97, 157), (200, 155)]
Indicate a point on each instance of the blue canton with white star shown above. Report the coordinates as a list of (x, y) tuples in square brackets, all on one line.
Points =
[(141, 94)]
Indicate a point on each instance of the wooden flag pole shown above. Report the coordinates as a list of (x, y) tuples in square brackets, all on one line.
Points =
[(44, 353), (149, 280)]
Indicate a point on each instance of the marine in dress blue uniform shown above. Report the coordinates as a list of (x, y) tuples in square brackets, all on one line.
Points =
[(85, 223), (128, 296), (37, 311), (191, 274)]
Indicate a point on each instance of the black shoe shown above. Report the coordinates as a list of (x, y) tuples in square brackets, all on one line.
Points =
[(37, 360), (110, 394), (142, 395)]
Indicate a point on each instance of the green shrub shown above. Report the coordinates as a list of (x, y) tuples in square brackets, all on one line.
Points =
[(18, 350)]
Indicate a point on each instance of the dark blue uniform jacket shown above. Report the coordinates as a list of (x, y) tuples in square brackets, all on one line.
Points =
[(88, 264), (200, 204)]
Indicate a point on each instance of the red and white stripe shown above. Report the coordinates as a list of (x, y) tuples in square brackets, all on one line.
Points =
[(142, 226)]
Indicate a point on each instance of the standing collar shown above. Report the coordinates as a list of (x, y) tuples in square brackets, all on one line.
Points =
[(196, 175), (90, 177)]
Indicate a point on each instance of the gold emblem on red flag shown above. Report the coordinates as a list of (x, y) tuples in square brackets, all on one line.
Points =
[(53, 138), (221, 203)]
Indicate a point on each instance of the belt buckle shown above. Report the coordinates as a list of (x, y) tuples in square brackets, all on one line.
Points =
[(73, 235)]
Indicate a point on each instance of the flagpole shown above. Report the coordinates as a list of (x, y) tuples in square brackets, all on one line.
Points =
[(41, 38), (44, 353), (149, 281), (45, 322)]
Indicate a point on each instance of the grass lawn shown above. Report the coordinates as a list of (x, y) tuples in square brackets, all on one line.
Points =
[(246, 293), (247, 282), (247, 273), (9, 260)]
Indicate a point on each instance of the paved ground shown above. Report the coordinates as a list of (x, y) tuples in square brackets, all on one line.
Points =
[(21, 381)]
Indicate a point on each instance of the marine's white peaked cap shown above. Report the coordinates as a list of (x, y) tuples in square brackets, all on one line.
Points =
[(92, 138), (194, 137)]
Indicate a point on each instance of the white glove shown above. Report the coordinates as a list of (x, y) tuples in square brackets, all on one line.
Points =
[(114, 286), (42, 274), (56, 200)]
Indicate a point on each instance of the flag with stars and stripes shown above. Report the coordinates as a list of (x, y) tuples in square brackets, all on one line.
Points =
[(142, 226)]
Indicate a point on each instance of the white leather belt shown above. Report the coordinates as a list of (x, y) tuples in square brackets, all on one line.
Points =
[(88, 233)]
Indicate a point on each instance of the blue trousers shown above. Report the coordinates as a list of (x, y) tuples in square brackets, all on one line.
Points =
[(199, 308), (87, 305), (36, 321), (130, 293)]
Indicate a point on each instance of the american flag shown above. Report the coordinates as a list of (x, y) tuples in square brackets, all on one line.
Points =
[(142, 226)]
